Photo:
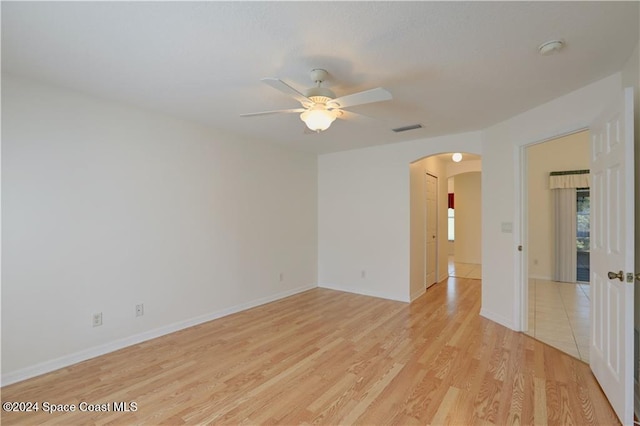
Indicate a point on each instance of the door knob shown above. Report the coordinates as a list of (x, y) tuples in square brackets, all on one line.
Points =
[(613, 275), (638, 276)]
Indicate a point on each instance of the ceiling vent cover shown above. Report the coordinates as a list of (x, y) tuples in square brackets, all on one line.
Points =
[(406, 128)]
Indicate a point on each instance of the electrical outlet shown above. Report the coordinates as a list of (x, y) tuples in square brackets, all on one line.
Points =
[(281, 277), (140, 310), (97, 319), (363, 274)]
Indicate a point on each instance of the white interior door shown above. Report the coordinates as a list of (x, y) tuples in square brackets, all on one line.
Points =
[(431, 230), (611, 347)]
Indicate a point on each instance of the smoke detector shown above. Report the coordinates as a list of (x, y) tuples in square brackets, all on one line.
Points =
[(550, 47)]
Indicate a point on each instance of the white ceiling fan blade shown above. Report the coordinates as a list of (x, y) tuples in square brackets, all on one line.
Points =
[(355, 117), (278, 111), (285, 88), (368, 96)]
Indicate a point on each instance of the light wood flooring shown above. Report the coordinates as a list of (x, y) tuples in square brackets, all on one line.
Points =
[(559, 315), (327, 357)]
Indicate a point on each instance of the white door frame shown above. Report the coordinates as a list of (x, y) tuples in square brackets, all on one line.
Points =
[(520, 228)]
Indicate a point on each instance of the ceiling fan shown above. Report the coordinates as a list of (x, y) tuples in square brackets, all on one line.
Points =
[(320, 106)]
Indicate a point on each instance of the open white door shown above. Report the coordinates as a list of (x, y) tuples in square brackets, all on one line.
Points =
[(612, 234), (431, 230)]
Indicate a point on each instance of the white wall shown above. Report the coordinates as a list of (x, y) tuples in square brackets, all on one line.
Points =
[(468, 215), (363, 203), (501, 180), (570, 152), (418, 170), (453, 169), (465, 166), (364, 214), (107, 206)]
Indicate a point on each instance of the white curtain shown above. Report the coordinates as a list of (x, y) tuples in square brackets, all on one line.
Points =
[(565, 235)]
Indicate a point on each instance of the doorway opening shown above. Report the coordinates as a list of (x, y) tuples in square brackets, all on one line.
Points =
[(557, 254), (464, 225), (430, 247)]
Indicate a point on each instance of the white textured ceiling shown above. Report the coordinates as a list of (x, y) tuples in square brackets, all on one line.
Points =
[(450, 66)]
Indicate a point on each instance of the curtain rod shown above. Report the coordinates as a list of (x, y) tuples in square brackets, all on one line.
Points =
[(570, 172)]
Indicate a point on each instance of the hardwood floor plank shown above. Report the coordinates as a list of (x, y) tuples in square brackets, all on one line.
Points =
[(540, 401), (445, 410), (325, 357), (370, 396)]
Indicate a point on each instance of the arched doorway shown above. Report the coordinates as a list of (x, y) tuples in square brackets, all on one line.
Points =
[(427, 175)]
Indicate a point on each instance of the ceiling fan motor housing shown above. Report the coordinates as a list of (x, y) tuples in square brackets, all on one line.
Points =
[(320, 95)]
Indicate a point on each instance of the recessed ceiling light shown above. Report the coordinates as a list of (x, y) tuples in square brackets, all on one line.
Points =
[(457, 157), (550, 47)]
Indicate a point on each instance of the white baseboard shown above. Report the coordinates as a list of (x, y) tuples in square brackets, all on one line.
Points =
[(362, 292), (540, 277), (497, 318), (417, 294), (74, 358)]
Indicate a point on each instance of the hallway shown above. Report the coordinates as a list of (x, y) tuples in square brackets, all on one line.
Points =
[(464, 270)]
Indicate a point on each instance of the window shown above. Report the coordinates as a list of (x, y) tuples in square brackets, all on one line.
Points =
[(450, 218), (450, 224), (582, 233)]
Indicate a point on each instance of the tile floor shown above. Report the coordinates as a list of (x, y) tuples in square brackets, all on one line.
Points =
[(464, 270), (559, 315)]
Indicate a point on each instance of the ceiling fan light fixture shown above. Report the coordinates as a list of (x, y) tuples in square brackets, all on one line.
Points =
[(318, 118), (457, 157), (320, 107)]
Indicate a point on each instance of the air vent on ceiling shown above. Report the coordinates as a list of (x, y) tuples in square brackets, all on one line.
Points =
[(405, 128)]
